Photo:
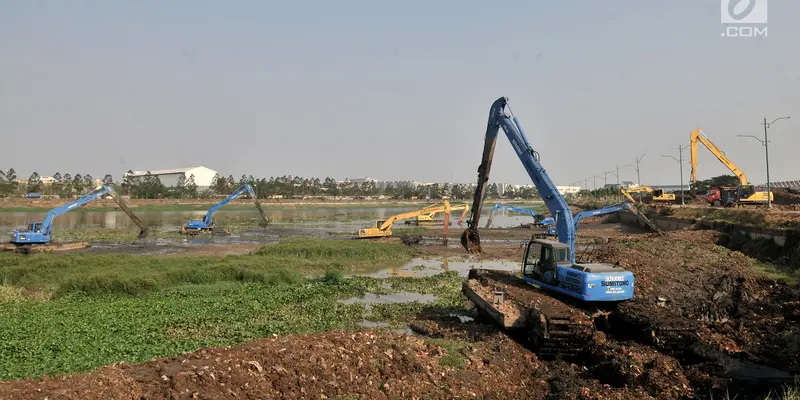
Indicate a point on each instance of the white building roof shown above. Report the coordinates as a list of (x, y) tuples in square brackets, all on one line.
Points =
[(166, 171)]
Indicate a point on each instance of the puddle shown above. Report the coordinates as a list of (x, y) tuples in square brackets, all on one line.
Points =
[(403, 297), (421, 267)]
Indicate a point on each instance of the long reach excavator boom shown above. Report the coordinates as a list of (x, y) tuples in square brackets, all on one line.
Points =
[(41, 232), (207, 223), (533, 301), (744, 194), (537, 218), (699, 136), (547, 264), (555, 203), (383, 228)]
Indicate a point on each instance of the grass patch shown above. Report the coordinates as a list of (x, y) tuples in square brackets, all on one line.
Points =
[(454, 356), (286, 263)]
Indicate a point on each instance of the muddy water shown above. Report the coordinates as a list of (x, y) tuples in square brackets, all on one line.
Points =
[(422, 267), (332, 219)]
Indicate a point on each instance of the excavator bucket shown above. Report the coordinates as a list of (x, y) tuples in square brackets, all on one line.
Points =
[(143, 233), (471, 240)]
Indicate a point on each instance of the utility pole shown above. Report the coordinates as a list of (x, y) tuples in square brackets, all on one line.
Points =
[(765, 143), (638, 177), (680, 162), (619, 193)]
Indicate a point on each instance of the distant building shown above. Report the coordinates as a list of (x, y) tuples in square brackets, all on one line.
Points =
[(565, 190), (203, 176)]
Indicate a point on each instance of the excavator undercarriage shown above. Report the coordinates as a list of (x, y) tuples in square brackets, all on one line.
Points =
[(556, 327), (551, 327)]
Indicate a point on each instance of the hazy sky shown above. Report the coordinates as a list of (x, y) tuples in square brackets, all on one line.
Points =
[(391, 90)]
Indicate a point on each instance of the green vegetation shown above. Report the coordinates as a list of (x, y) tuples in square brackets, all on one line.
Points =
[(59, 275), (73, 313), (453, 352)]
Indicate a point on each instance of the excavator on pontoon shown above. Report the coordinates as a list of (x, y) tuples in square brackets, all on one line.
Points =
[(383, 228), (41, 233), (551, 279), (744, 194), (206, 225)]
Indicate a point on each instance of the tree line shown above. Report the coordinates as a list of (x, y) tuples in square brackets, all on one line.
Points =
[(150, 186), (63, 185)]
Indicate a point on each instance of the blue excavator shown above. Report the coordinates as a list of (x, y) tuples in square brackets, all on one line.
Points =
[(549, 221), (206, 225), (537, 218), (552, 285), (41, 233)]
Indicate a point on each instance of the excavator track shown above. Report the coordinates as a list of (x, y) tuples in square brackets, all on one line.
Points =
[(553, 328)]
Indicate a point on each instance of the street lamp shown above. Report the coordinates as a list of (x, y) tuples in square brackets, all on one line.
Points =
[(765, 143), (680, 162), (638, 177)]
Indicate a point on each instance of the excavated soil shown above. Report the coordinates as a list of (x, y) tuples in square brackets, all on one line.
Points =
[(369, 365), (684, 278)]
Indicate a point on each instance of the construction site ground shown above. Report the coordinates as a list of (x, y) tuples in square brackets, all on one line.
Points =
[(735, 306)]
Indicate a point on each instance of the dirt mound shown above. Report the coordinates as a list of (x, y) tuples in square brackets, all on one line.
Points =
[(684, 276), (330, 365), (788, 198), (333, 365), (634, 365)]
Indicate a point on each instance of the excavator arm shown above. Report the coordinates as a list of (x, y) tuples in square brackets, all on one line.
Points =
[(628, 195), (498, 206), (555, 203), (453, 207), (253, 196), (383, 228), (45, 228), (208, 220), (699, 136), (143, 232)]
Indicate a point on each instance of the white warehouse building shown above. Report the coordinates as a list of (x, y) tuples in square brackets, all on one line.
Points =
[(169, 177)]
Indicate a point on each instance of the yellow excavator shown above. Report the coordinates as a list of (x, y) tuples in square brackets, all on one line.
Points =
[(384, 228), (744, 194), (657, 196), (431, 217)]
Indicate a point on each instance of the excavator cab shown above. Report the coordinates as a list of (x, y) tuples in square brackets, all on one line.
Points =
[(35, 227), (541, 258)]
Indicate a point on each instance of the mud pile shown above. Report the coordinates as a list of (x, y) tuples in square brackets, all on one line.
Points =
[(786, 198), (370, 365), (684, 278)]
